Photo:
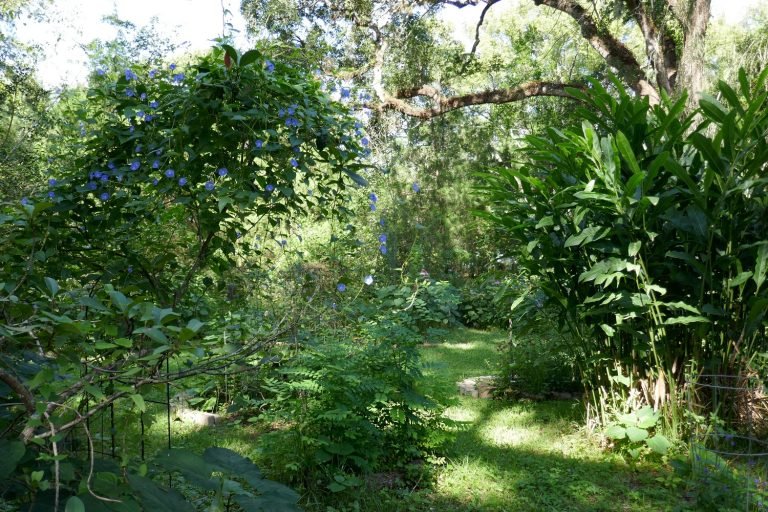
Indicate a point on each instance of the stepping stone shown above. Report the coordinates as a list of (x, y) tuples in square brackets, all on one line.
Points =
[(477, 387)]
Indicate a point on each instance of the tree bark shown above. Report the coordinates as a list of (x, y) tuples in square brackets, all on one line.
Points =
[(694, 17)]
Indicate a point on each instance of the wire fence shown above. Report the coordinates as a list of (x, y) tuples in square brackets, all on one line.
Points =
[(728, 420)]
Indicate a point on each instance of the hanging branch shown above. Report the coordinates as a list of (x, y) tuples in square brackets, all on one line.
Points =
[(471, 55)]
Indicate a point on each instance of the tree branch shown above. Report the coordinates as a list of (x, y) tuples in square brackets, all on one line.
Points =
[(471, 55), (20, 389), (659, 46), (495, 96), (615, 53)]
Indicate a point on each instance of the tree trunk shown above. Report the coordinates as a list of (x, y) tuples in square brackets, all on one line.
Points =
[(694, 16)]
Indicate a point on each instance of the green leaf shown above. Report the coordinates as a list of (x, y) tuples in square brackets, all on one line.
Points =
[(626, 151), (74, 504), (249, 57), (336, 487), (740, 279), (636, 434), (92, 303), (152, 333), (138, 400), (12, 451), (152, 497), (232, 52), (616, 432), (356, 178), (121, 301), (761, 265), (610, 331), (686, 320), (52, 285), (659, 444), (634, 248), (586, 236)]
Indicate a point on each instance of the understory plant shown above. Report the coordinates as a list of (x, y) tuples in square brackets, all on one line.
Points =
[(646, 227), (345, 407)]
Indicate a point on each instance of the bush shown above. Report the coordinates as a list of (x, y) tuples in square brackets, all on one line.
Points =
[(647, 229), (487, 301), (349, 407)]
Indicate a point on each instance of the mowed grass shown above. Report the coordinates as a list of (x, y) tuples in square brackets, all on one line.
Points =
[(525, 456)]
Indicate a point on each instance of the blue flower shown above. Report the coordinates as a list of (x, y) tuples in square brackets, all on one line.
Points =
[(130, 75), (209, 186), (100, 72), (416, 187), (156, 164), (96, 174), (135, 165), (182, 182), (153, 73), (148, 117), (292, 109), (143, 96), (130, 92), (345, 92), (155, 181), (269, 188), (139, 148), (368, 280), (131, 128), (111, 165), (52, 182), (292, 122), (91, 185), (294, 162), (222, 172), (129, 269), (104, 177), (373, 197), (178, 78), (153, 104), (24, 201), (383, 249), (140, 114), (383, 238), (281, 112), (51, 194), (259, 143), (364, 141), (172, 67), (104, 196), (341, 287), (381, 222), (270, 66), (373, 207), (170, 173)]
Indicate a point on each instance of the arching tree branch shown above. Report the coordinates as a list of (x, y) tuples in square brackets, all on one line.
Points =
[(615, 53), (444, 104)]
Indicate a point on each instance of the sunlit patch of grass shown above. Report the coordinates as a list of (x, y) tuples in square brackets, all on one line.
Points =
[(461, 414), (459, 346)]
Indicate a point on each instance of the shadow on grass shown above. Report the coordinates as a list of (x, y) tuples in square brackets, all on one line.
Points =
[(511, 456)]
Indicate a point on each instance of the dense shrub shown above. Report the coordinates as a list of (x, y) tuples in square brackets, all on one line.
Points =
[(647, 229), (344, 407)]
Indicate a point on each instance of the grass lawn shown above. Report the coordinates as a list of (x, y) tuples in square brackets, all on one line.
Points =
[(526, 456), (507, 456)]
